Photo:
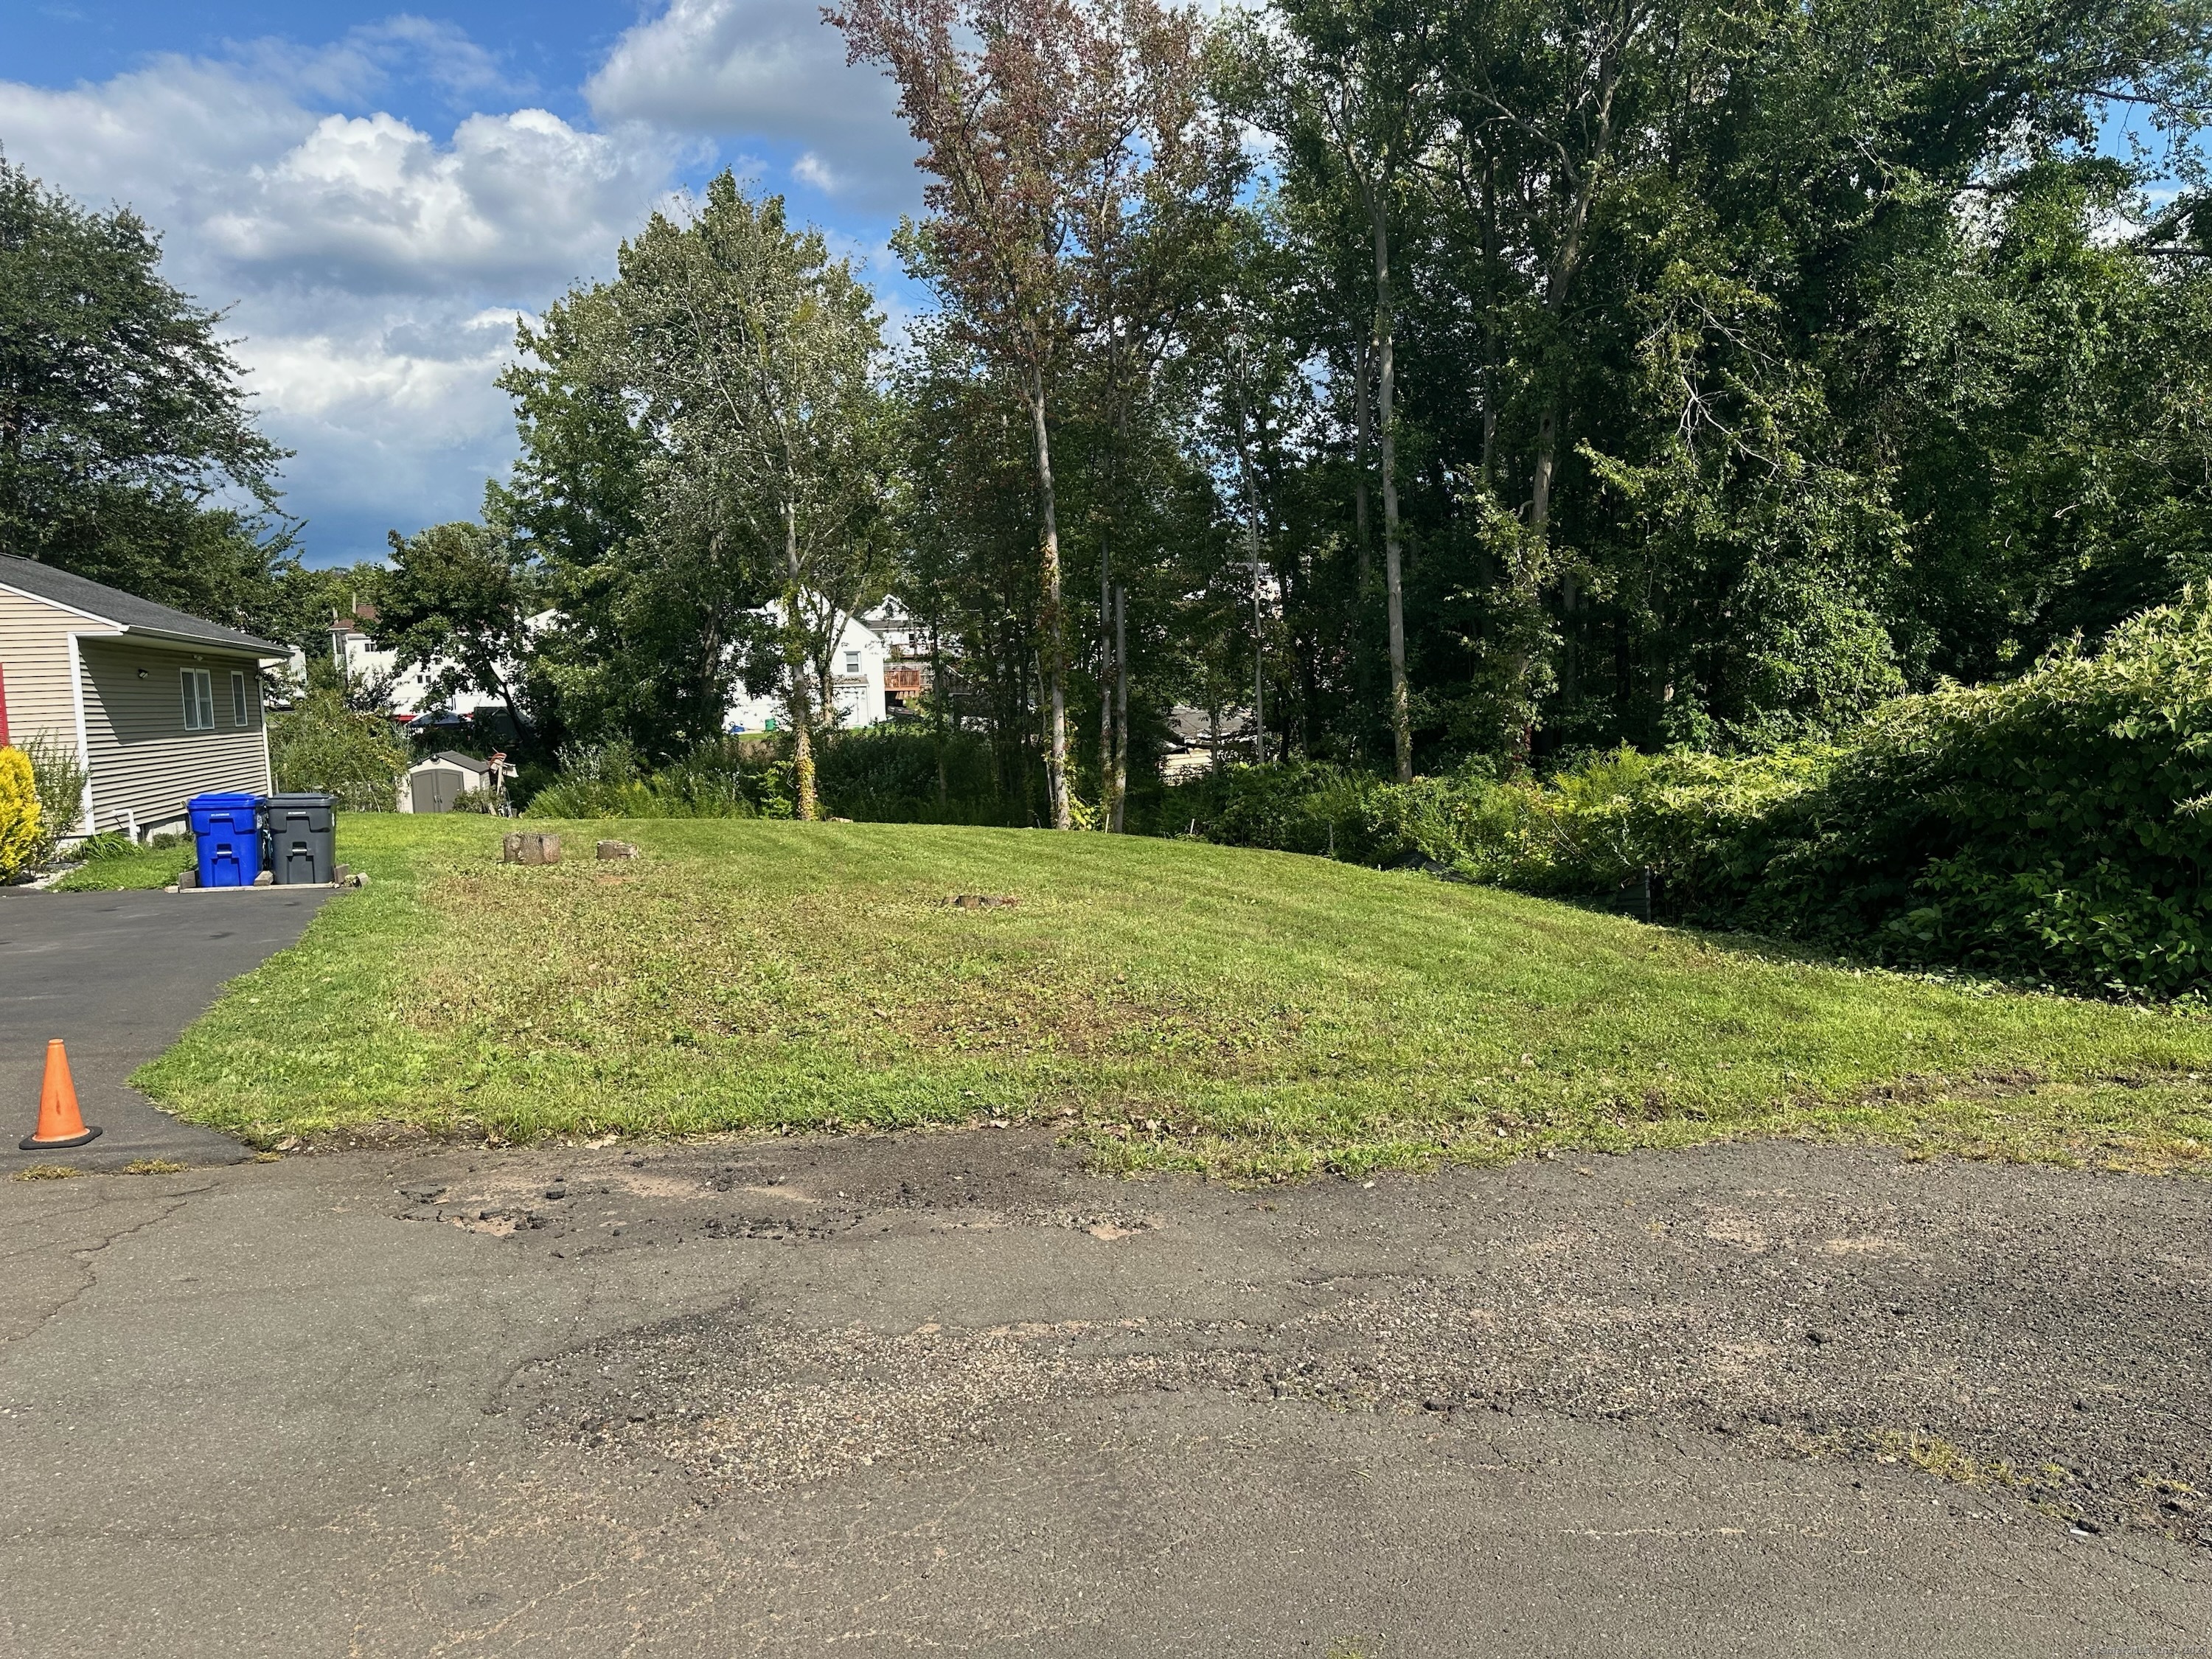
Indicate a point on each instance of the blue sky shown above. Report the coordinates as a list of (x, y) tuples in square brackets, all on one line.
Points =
[(375, 195)]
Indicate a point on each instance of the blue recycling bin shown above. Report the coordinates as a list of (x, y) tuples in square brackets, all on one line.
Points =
[(227, 831)]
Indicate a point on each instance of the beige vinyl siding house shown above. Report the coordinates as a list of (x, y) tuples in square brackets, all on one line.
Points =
[(158, 706)]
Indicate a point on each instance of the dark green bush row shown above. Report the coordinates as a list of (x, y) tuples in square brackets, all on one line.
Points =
[(889, 774), (883, 774), (721, 778), (2054, 829)]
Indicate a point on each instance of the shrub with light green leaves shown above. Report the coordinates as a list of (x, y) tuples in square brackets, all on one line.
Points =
[(719, 778), (321, 743), (2055, 828)]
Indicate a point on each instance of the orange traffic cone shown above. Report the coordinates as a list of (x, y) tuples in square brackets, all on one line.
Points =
[(60, 1122)]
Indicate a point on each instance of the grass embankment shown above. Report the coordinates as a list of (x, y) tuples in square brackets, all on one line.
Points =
[(1178, 1004), (127, 868)]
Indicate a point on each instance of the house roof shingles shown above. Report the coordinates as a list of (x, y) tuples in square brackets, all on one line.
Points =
[(125, 611)]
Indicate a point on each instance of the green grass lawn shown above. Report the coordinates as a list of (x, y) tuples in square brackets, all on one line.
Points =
[(132, 867), (1172, 1003)]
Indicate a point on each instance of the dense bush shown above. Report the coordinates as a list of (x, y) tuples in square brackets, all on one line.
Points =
[(2054, 829), (60, 778), (883, 774), (720, 778), (890, 775), (319, 743), (1309, 807), (20, 835)]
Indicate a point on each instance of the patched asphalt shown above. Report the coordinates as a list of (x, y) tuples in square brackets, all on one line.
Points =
[(952, 1392), (117, 976)]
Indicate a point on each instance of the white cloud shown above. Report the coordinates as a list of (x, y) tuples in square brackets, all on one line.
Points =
[(371, 270), (511, 199), (771, 68), (811, 169), (371, 266)]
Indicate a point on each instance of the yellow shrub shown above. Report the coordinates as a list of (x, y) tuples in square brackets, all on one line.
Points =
[(19, 813)]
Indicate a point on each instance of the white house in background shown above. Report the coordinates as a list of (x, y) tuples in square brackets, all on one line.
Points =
[(856, 684), (352, 651), (900, 631)]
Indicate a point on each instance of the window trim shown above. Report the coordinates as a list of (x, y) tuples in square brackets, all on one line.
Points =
[(240, 711), (198, 684)]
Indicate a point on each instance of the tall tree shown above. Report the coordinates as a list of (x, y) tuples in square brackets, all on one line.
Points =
[(1352, 85), (1041, 122), (127, 441), (755, 354), (456, 602)]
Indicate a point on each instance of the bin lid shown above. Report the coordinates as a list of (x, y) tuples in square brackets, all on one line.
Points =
[(221, 800), (300, 798)]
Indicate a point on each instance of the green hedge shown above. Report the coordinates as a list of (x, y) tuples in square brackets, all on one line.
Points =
[(2055, 828), (720, 778), (883, 774)]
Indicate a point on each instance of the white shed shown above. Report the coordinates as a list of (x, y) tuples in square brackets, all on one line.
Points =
[(437, 784)]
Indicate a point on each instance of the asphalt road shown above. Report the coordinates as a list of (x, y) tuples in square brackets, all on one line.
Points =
[(949, 1393), (117, 976)]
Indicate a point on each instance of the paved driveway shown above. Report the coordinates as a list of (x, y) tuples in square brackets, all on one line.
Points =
[(117, 976), (951, 1394)]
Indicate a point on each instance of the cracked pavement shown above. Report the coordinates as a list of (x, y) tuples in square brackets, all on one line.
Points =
[(951, 1392)]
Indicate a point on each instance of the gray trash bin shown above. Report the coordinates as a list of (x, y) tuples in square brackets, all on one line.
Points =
[(303, 837)]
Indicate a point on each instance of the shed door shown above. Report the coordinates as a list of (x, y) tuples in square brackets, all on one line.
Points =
[(435, 791)]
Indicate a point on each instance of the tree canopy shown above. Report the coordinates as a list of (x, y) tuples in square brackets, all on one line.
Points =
[(128, 452)]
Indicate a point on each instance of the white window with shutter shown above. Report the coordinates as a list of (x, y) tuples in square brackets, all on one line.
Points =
[(199, 699)]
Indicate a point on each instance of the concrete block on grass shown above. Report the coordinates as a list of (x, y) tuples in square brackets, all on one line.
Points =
[(531, 849)]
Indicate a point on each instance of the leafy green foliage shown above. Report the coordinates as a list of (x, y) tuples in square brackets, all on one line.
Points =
[(883, 774), (60, 778), (124, 425), (322, 743), (900, 774), (2055, 828), (456, 602), (721, 778)]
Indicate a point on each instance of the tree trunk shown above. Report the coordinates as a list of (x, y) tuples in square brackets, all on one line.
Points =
[(1401, 716), (1547, 439), (1363, 420), (1120, 707), (1106, 658), (802, 690), (802, 764), (938, 707), (1055, 641), (1252, 567), (522, 731)]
